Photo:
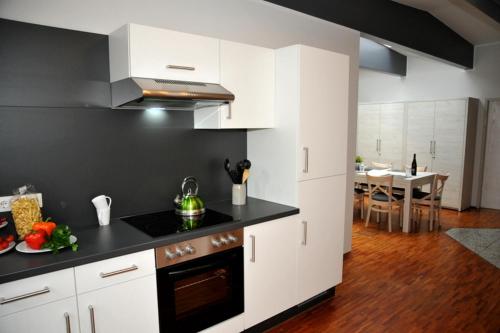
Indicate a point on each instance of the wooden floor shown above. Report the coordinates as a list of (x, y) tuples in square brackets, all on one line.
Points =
[(419, 282)]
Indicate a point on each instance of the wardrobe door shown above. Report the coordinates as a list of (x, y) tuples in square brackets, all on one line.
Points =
[(420, 133), (368, 132), (391, 134)]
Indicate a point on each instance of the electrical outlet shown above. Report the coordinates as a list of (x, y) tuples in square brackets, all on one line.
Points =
[(5, 202)]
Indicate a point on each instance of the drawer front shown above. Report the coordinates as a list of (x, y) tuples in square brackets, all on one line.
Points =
[(165, 54), (111, 271), (27, 293)]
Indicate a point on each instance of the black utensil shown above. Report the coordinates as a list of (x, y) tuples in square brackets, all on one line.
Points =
[(247, 164)]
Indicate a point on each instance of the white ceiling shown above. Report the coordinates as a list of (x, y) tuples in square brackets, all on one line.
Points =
[(465, 19)]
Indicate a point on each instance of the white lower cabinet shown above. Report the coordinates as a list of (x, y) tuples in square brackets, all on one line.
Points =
[(56, 317), (270, 269), (127, 307), (321, 235)]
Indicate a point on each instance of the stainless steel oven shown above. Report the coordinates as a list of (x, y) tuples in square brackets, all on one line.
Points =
[(200, 282)]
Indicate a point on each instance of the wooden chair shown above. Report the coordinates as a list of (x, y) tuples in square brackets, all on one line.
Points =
[(377, 165), (359, 196), (425, 199), (381, 199)]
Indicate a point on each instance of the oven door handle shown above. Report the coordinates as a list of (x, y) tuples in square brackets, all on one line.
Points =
[(179, 274)]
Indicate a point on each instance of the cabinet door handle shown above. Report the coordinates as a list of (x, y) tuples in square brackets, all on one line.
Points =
[(92, 319), (229, 111), (306, 160), (434, 149), (304, 240), (185, 68), (252, 258), (120, 271), (430, 147), (68, 323), (379, 146), (23, 296)]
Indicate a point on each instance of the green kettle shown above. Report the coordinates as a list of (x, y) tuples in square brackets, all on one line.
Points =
[(190, 204)]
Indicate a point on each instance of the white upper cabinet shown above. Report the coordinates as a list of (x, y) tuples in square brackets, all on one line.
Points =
[(141, 51), (324, 92), (248, 72)]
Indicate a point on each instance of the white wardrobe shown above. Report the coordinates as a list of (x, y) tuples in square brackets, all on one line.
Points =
[(441, 133)]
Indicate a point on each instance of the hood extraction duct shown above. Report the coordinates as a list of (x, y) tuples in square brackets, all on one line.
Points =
[(141, 93)]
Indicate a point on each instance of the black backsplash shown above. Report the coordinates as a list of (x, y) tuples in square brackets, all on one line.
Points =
[(57, 133)]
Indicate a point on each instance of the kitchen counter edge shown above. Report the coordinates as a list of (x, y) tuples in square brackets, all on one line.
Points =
[(119, 238)]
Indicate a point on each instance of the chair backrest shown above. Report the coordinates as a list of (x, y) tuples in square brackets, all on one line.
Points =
[(419, 168), (439, 186), (382, 165), (381, 184)]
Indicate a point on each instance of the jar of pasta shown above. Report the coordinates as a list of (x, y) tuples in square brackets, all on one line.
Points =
[(25, 210)]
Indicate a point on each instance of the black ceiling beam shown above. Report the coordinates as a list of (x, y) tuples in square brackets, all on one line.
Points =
[(394, 22), (489, 7)]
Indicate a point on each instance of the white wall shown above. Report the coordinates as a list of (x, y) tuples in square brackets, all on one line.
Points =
[(249, 21), (429, 80)]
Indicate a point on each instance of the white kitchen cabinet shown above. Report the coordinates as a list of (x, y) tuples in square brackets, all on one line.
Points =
[(270, 269), (248, 72), (127, 307), (37, 290), (55, 317), (323, 101), (141, 51), (311, 112), (100, 274), (320, 241)]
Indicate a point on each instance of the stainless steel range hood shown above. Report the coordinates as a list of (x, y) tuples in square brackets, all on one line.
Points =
[(141, 93)]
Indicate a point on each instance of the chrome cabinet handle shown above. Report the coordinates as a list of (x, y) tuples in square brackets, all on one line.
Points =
[(306, 160), (185, 68), (430, 147), (4, 300), (92, 319), (252, 258), (68, 323), (120, 271), (229, 111), (304, 240), (379, 146), (434, 149)]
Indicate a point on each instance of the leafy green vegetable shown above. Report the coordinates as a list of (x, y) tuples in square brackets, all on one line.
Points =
[(59, 239)]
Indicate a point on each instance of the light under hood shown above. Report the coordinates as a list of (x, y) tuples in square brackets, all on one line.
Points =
[(141, 93)]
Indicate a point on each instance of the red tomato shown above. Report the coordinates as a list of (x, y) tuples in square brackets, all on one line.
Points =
[(9, 238), (3, 245)]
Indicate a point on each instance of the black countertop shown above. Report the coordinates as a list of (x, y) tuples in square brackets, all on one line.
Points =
[(119, 238)]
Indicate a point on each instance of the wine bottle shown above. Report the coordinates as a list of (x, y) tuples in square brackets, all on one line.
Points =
[(414, 165)]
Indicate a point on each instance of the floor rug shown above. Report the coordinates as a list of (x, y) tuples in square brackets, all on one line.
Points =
[(483, 242)]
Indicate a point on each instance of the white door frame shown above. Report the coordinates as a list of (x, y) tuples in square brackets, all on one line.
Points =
[(484, 138)]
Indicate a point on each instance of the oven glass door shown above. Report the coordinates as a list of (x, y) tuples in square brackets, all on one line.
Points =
[(197, 294)]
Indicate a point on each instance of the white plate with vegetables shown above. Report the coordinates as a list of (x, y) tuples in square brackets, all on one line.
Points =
[(24, 248), (8, 248)]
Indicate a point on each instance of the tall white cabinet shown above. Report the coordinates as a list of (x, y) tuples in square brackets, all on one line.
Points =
[(380, 133), (441, 134), (302, 162)]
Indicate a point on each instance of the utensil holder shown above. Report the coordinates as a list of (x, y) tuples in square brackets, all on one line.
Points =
[(239, 194)]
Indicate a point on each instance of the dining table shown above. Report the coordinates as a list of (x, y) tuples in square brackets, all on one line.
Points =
[(400, 180)]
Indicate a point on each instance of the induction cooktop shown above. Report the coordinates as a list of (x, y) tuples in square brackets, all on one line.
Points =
[(167, 222)]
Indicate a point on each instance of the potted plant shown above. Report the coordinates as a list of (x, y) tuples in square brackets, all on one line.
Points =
[(359, 163)]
